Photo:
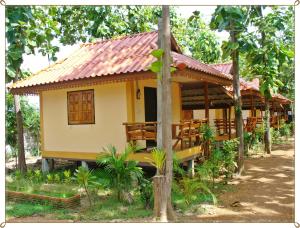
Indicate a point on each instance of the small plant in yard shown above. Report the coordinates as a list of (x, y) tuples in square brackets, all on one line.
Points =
[(158, 160), (50, 178), (191, 187), (67, 176), (285, 130), (275, 135), (146, 192), (85, 179), (208, 137), (248, 138), (120, 172), (230, 148)]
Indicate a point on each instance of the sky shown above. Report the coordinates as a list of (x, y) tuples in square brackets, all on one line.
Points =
[(36, 62)]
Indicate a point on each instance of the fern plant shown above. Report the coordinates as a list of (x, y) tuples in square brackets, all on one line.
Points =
[(120, 172)]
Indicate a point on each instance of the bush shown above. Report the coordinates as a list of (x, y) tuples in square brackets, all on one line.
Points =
[(119, 172), (230, 149), (85, 179), (275, 135), (146, 193), (285, 130)]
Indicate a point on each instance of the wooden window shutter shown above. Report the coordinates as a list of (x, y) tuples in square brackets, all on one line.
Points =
[(81, 107)]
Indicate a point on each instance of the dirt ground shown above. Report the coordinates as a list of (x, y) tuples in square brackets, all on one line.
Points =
[(264, 193)]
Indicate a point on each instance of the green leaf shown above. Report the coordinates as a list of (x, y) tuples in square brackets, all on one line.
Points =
[(157, 53), (173, 69), (156, 66), (32, 43)]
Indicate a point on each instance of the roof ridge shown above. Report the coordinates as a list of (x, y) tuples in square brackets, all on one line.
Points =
[(120, 37)]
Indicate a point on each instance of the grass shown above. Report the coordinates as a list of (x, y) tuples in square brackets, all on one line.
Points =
[(109, 208), (105, 209), (24, 209), (40, 192)]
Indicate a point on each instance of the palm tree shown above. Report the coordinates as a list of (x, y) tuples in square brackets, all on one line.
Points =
[(120, 172)]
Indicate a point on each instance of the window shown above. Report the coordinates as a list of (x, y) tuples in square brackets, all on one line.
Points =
[(81, 107)]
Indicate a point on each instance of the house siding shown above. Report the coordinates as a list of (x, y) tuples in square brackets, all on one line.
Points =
[(110, 113)]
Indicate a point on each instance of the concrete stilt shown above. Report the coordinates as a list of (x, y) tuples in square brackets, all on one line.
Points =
[(51, 164), (191, 167), (45, 166), (84, 164)]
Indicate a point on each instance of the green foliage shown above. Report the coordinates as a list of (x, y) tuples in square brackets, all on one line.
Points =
[(285, 130), (158, 160), (275, 135), (191, 187), (67, 176), (146, 193), (26, 209), (269, 49), (196, 39), (31, 121), (230, 149), (119, 172), (85, 179), (208, 133)]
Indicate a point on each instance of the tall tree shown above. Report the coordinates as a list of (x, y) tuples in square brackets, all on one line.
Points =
[(268, 51), (27, 28), (233, 20), (164, 103)]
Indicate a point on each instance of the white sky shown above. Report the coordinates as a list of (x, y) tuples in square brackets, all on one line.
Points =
[(36, 62)]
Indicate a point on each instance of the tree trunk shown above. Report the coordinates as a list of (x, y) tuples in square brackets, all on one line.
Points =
[(267, 126), (267, 137), (164, 115), (21, 151), (237, 104)]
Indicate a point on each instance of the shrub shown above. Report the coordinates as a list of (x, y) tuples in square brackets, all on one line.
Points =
[(146, 193), (230, 148), (158, 160), (285, 130), (85, 179), (119, 172), (275, 136), (191, 187)]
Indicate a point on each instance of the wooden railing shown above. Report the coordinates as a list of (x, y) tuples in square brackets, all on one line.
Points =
[(140, 131), (185, 131)]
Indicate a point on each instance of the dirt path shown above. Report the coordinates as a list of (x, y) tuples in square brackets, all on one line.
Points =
[(265, 192)]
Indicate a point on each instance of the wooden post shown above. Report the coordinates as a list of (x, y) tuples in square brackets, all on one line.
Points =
[(191, 168), (206, 101), (252, 108)]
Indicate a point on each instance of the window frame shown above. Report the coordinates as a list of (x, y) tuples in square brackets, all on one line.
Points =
[(93, 107)]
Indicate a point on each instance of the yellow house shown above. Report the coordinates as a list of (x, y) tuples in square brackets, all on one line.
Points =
[(86, 98)]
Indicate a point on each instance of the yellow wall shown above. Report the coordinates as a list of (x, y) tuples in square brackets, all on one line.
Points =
[(139, 104), (114, 105), (110, 113)]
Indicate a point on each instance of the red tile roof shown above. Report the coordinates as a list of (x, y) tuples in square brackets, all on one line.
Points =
[(122, 55), (223, 67), (247, 85)]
